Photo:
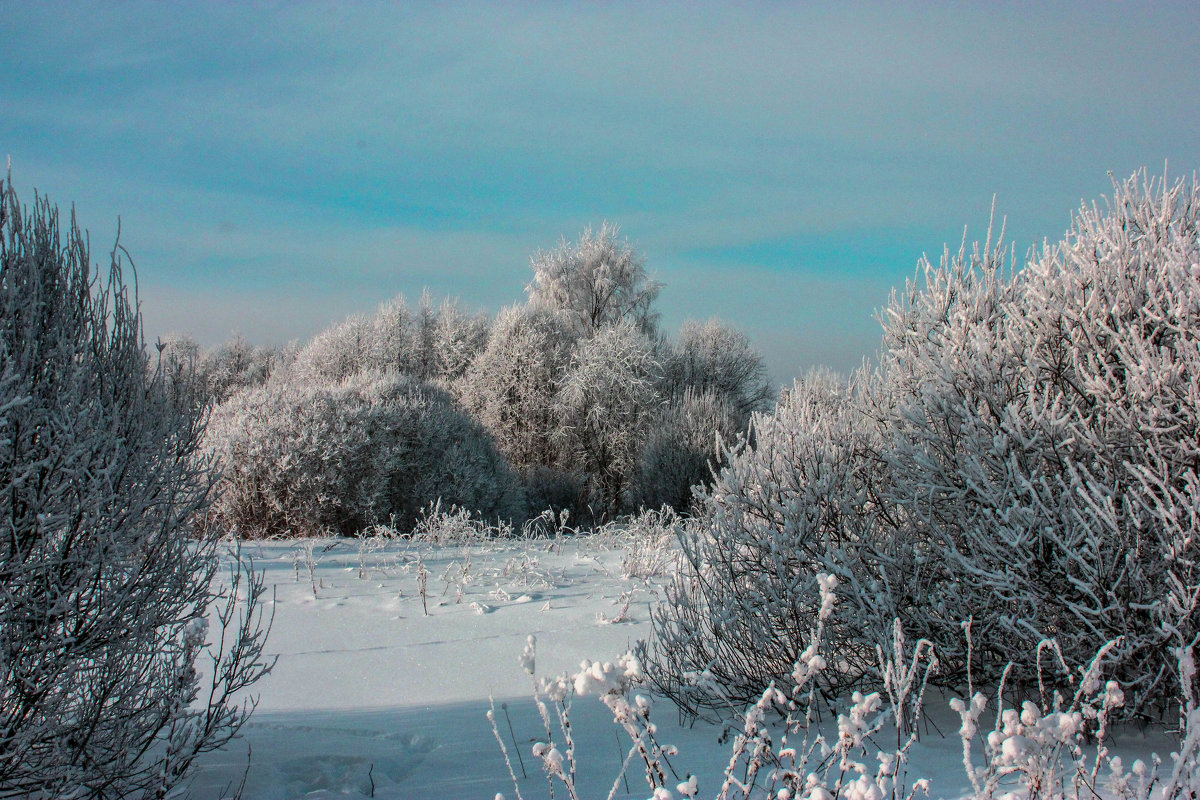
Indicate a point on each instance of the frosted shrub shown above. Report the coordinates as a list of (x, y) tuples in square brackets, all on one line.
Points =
[(456, 526), (1043, 436), (1058, 748), (650, 544), (301, 460), (1053, 750), (105, 596), (799, 501), (801, 762), (1024, 453)]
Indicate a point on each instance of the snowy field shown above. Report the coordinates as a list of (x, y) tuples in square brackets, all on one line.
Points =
[(375, 696)]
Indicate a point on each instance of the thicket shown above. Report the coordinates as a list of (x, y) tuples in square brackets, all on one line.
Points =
[(572, 402), (1024, 457), (106, 596)]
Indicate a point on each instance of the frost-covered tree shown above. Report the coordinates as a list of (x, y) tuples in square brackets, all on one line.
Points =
[(511, 387), (430, 343), (459, 338), (105, 596), (685, 442), (236, 365), (304, 459), (713, 357), (353, 346), (596, 282), (606, 402), (179, 363)]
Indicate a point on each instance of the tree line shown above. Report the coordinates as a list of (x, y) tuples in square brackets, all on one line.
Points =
[(574, 400)]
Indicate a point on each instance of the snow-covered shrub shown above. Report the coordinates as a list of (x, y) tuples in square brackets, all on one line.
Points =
[(605, 404), (1043, 440), (1055, 749), (302, 459), (802, 762), (798, 502), (1025, 453), (685, 441), (596, 283), (105, 598), (649, 543), (456, 526)]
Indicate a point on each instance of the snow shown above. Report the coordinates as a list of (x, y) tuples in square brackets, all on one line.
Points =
[(372, 697)]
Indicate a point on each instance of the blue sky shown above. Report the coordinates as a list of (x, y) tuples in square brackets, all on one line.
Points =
[(277, 166)]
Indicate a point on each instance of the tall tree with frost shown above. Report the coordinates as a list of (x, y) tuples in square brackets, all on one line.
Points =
[(715, 358), (685, 441), (432, 343), (596, 282), (605, 404), (512, 385), (104, 598)]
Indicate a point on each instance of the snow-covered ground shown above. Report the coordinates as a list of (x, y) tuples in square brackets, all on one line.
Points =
[(374, 696)]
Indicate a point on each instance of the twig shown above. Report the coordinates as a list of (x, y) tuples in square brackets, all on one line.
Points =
[(513, 736)]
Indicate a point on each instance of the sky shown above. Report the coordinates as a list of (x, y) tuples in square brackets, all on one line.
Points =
[(782, 166)]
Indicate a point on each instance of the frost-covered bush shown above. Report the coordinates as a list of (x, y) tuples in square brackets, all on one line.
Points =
[(778, 751), (105, 598), (685, 441), (302, 459), (455, 526), (798, 502), (1055, 749), (1043, 440), (1025, 454), (649, 543), (596, 283)]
